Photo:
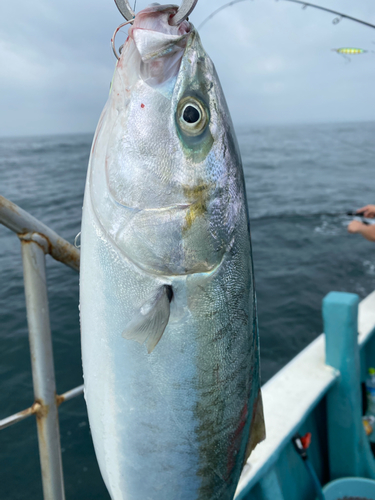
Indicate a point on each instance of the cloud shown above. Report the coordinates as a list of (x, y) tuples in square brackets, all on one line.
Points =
[(274, 60)]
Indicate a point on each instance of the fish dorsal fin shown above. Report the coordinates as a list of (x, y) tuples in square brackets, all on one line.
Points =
[(257, 427), (150, 322)]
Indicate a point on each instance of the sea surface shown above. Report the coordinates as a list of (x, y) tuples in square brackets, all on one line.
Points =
[(300, 182)]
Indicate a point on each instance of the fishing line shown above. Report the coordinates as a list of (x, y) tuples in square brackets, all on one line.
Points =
[(304, 6), (349, 144), (353, 146)]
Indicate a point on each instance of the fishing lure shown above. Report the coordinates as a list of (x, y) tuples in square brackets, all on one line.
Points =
[(349, 51)]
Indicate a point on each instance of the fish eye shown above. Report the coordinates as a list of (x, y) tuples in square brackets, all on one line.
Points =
[(192, 116)]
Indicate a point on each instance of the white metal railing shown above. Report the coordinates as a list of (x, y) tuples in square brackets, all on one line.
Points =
[(314, 377), (37, 240)]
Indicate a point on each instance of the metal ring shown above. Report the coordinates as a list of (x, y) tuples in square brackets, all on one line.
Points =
[(183, 12), (114, 37), (125, 9)]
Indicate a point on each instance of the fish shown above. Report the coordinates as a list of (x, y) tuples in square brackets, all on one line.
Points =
[(169, 329)]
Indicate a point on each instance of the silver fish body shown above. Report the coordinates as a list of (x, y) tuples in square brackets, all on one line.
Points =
[(168, 311)]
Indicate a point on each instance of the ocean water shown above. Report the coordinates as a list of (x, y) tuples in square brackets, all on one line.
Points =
[(300, 182)]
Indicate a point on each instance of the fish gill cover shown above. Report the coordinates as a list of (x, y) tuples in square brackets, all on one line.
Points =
[(168, 311)]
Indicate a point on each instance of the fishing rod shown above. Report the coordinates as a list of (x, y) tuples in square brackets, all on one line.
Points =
[(281, 215), (349, 213), (301, 2), (301, 445), (359, 214)]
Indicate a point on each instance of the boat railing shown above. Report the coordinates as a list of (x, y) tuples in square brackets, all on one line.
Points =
[(329, 368), (332, 367), (38, 240)]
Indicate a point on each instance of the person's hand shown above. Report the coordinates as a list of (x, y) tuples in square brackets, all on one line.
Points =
[(355, 227), (368, 211)]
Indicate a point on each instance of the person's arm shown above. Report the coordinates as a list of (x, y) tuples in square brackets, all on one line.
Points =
[(367, 211), (357, 227)]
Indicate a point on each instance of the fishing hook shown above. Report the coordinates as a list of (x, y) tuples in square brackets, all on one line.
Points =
[(347, 58), (113, 39), (183, 12), (125, 9), (77, 239)]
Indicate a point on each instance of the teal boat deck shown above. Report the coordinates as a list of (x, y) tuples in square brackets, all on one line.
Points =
[(319, 391)]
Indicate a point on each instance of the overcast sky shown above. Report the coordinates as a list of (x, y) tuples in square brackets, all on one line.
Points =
[(274, 60)]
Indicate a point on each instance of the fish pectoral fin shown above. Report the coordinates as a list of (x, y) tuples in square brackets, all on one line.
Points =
[(257, 427), (149, 324)]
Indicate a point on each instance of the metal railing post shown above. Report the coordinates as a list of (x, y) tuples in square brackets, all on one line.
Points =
[(34, 247)]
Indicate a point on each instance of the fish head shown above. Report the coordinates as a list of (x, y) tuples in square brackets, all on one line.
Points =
[(166, 176)]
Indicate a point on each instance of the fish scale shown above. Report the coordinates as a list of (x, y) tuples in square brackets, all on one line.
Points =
[(170, 344)]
